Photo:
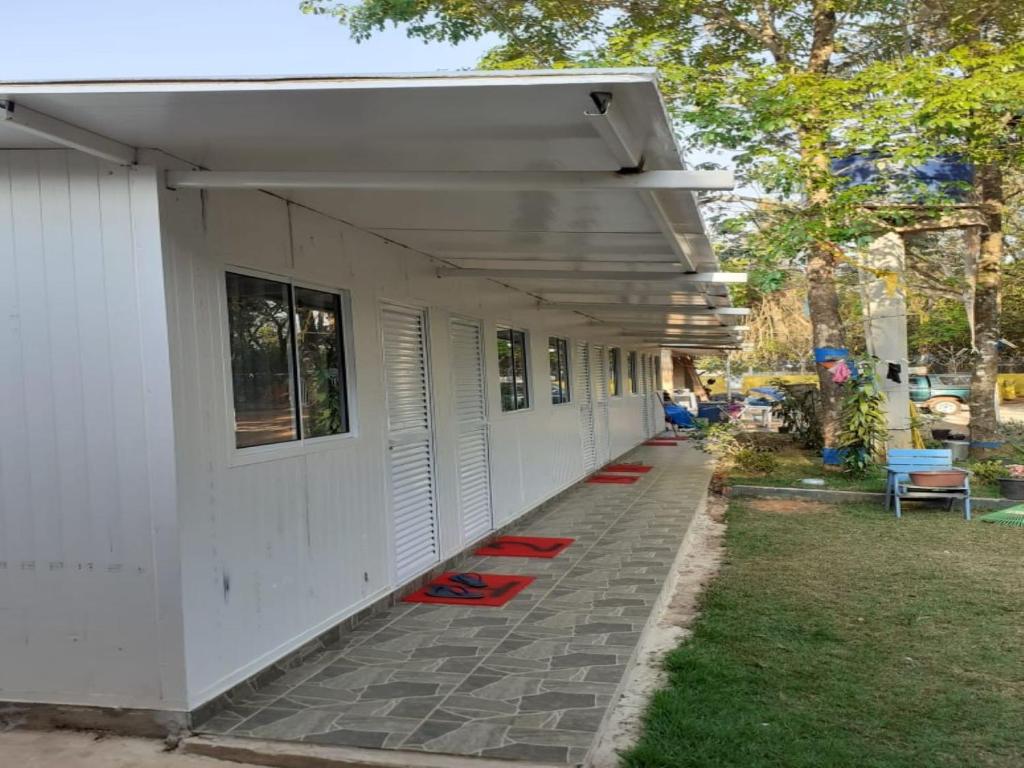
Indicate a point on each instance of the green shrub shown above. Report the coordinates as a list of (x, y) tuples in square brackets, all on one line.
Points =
[(755, 462), (721, 441), (864, 425), (988, 471)]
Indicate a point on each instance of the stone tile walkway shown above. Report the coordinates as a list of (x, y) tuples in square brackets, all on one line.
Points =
[(531, 680)]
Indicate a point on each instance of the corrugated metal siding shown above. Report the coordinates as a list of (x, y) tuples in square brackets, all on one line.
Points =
[(89, 596)]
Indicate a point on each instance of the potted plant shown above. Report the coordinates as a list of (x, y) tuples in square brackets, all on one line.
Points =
[(1012, 485)]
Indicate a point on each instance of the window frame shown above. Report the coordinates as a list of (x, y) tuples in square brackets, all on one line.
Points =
[(562, 345), (614, 372), (633, 373), (512, 329), (303, 445)]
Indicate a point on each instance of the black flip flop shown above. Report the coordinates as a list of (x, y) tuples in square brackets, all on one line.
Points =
[(473, 580), (453, 591)]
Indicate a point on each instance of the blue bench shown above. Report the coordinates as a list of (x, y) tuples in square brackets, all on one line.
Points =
[(902, 461)]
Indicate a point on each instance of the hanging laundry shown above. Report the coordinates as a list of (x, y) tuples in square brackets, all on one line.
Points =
[(840, 372), (894, 372)]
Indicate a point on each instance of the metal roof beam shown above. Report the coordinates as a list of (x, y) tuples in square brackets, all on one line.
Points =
[(466, 181), (675, 278), (668, 330), (652, 309), (65, 134), (612, 127)]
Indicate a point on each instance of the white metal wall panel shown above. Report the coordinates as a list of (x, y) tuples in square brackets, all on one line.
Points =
[(584, 397), (410, 440), (469, 392), (90, 602)]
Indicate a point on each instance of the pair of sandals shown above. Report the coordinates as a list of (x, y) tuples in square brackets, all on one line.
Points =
[(464, 588)]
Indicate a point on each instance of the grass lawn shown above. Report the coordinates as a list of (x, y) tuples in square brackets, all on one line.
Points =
[(795, 464), (842, 637)]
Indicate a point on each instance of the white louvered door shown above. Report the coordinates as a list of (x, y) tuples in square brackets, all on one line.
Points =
[(650, 401), (471, 428), (584, 395), (600, 380), (410, 440), (644, 398)]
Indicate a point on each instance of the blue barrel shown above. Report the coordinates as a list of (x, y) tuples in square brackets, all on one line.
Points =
[(832, 456)]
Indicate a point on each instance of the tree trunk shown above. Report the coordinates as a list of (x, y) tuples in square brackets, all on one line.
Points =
[(972, 244), (822, 295), (984, 418), (826, 331)]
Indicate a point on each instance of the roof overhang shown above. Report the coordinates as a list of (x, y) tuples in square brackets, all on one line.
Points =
[(567, 185)]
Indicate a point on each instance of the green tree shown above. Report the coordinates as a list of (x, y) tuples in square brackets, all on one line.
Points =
[(968, 102)]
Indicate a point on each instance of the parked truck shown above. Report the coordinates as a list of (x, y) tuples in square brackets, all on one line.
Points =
[(941, 393)]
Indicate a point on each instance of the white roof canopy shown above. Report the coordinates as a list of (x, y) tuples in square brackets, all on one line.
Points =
[(509, 174)]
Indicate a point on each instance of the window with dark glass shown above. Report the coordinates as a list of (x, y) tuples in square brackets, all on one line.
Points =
[(614, 371), (631, 372), (287, 361), (321, 369), (558, 358), (515, 394)]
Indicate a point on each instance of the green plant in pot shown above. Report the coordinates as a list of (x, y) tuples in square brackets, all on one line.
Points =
[(1011, 485)]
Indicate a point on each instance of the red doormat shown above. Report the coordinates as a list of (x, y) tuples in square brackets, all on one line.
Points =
[(499, 590), (613, 479), (661, 442), (640, 469), (524, 546)]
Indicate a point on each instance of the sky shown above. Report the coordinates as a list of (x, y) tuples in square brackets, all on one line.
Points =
[(87, 39)]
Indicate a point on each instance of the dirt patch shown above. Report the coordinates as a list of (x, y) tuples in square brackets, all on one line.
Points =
[(788, 506)]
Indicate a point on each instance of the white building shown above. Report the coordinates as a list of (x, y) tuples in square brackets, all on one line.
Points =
[(272, 349)]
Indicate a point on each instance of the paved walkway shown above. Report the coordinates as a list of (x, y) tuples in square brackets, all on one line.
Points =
[(532, 680)]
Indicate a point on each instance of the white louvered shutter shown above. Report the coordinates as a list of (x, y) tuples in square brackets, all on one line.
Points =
[(472, 447), (600, 380), (645, 418), (410, 440), (651, 396), (584, 395)]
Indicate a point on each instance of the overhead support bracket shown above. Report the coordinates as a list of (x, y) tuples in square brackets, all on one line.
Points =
[(65, 134), (677, 278), (613, 128), (454, 181)]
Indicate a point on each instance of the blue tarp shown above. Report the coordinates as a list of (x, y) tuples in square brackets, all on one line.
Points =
[(676, 414)]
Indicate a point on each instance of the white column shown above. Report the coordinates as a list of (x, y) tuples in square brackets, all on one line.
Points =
[(885, 321)]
